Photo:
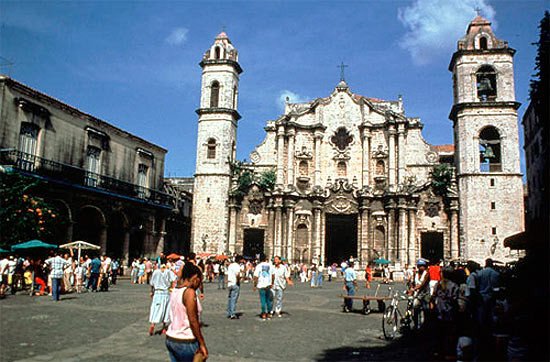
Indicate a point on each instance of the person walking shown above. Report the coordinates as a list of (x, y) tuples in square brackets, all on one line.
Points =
[(234, 285), (368, 276), (95, 269), (221, 275), (350, 283), (57, 265), (263, 275), (184, 338), (320, 271), (281, 277), (161, 282)]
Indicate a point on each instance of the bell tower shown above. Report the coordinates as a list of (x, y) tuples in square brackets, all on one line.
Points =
[(216, 146), (485, 124)]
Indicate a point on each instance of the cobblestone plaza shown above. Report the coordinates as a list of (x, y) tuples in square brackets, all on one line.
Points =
[(112, 326)]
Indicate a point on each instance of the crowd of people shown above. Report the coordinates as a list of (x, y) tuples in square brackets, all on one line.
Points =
[(56, 274)]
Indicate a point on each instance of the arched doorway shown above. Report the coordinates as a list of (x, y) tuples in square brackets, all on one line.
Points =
[(137, 240), (90, 225), (63, 232), (116, 232), (253, 243)]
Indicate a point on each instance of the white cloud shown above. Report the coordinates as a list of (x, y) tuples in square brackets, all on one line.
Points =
[(178, 36), (434, 26), (292, 98)]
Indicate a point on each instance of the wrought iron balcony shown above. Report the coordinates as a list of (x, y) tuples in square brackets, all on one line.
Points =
[(60, 172)]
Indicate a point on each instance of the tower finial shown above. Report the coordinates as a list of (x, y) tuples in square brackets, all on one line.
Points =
[(478, 10), (342, 66)]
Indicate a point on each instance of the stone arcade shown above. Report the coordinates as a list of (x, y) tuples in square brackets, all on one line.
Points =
[(353, 175)]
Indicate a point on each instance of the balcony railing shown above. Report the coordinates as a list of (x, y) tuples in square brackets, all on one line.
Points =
[(79, 176)]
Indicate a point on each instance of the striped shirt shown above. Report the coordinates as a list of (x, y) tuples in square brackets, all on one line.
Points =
[(57, 264)]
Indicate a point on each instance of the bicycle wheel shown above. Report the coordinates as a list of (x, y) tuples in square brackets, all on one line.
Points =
[(390, 324)]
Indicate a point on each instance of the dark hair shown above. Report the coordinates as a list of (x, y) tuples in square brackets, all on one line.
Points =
[(489, 263), (192, 256), (189, 270)]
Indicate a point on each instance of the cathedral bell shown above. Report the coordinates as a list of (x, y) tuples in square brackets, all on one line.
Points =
[(488, 153)]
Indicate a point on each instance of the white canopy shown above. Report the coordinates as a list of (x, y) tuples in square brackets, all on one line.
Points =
[(80, 245)]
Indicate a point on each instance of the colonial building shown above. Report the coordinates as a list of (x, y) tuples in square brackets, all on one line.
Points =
[(349, 175), (107, 183)]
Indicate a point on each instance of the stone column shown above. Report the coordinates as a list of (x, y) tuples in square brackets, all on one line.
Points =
[(366, 157), (391, 151), (126, 250), (364, 239), (454, 230), (280, 155), (411, 249), (290, 230), (69, 232), (278, 228), (316, 250), (270, 242), (401, 154), (390, 249), (290, 157), (232, 228), (402, 232), (103, 239), (161, 232), (317, 174)]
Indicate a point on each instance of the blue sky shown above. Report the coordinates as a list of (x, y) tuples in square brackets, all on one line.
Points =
[(135, 64)]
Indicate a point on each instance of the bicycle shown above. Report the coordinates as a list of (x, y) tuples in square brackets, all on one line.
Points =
[(395, 321)]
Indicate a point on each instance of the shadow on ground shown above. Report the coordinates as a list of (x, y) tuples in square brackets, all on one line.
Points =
[(405, 348)]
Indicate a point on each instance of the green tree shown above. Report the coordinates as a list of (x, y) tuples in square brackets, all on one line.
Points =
[(24, 216), (442, 176), (267, 180)]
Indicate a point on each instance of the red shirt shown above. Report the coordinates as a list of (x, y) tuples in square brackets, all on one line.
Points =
[(435, 272)]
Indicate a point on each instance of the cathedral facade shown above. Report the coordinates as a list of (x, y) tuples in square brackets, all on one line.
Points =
[(349, 175)]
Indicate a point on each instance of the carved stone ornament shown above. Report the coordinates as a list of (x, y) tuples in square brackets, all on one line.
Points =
[(431, 157), (255, 157), (341, 139), (341, 204), (303, 153), (255, 201), (431, 208), (380, 152)]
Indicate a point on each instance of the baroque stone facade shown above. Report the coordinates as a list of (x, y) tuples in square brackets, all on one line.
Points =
[(348, 175)]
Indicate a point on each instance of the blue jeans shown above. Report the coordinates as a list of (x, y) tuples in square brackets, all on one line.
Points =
[(92, 282), (56, 288), (181, 351), (319, 279), (266, 300), (221, 281), (350, 287), (232, 298)]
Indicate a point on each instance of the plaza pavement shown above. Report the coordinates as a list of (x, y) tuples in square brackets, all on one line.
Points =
[(113, 326)]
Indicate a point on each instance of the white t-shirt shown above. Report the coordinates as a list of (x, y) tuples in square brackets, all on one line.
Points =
[(263, 272), (233, 271), (281, 274), (216, 268)]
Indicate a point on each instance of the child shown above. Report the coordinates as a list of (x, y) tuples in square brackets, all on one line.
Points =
[(78, 277)]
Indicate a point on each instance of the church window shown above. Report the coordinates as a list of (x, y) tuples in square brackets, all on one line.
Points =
[(28, 140), (380, 167), (341, 169), (214, 94), (211, 149), (493, 205), (489, 150), (486, 83), (303, 168), (494, 231), (483, 43), (492, 182), (341, 138), (217, 53)]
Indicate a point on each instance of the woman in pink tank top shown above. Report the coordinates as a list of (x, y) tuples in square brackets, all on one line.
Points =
[(184, 337)]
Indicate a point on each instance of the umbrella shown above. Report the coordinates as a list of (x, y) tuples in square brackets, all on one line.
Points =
[(381, 261), (222, 257), (205, 255), (33, 244), (4, 250), (173, 256), (80, 245)]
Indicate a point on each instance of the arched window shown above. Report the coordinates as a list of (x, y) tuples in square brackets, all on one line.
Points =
[(217, 53), (380, 168), (303, 168), (341, 169), (486, 78), (214, 94), (211, 149), (483, 43), (489, 150)]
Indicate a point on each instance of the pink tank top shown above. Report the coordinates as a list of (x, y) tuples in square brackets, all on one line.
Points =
[(179, 327)]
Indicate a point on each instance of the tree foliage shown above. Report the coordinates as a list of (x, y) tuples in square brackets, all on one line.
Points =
[(24, 216), (540, 92), (267, 180), (442, 176)]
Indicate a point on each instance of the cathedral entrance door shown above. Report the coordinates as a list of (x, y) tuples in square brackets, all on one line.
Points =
[(432, 246), (253, 243), (341, 238)]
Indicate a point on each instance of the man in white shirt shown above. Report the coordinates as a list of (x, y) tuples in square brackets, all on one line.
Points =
[(263, 277), (281, 277), (234, 286)]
